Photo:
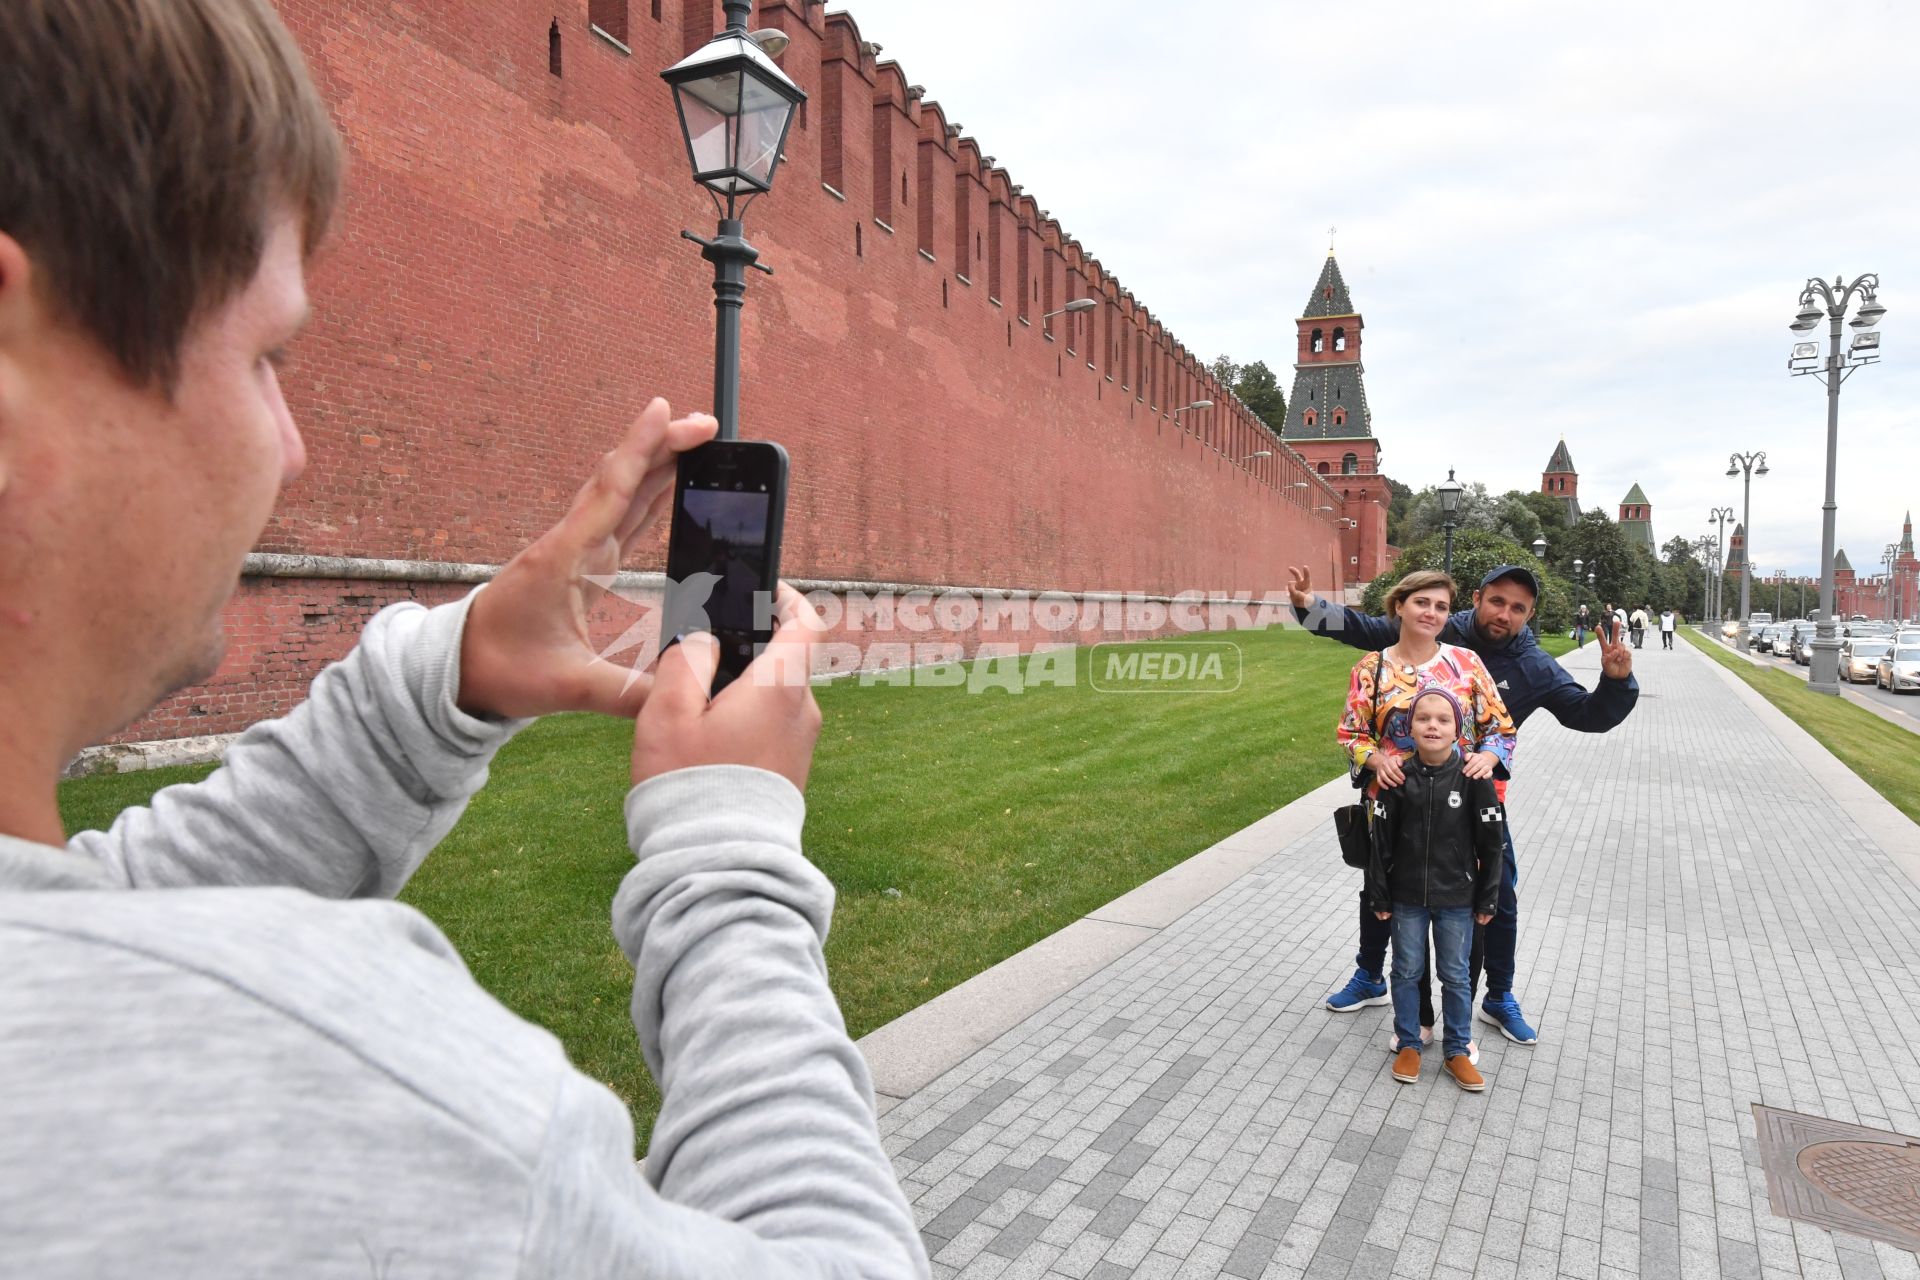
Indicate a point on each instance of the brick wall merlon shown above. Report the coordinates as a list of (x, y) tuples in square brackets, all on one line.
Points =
[(810, 14), (843, 43)]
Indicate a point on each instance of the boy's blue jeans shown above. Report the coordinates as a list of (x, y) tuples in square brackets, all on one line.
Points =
[(1452, 939), (1500, 937)]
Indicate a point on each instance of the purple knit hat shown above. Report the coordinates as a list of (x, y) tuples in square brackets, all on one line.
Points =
[(1438, 691)]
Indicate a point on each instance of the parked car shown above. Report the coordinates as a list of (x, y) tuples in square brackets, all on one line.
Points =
[(1860, 659), (1899, 669)]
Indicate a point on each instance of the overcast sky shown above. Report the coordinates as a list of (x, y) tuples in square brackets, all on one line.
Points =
[(1585, 221)]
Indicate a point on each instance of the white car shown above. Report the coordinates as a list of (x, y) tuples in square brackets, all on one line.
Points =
[(1860, 659), (1899, 669)]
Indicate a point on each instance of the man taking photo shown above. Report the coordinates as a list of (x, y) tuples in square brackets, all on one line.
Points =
[(226, 1051)]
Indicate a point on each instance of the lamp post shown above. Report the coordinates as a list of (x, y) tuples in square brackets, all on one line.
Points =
[(1449, 510), (1820, 299), (1258, 453), (1888, 595), (1720, 516), (1754, 464), (1704, 546), (735, 109)]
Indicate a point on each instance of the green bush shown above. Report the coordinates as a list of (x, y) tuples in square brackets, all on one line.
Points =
[(1474, 554)]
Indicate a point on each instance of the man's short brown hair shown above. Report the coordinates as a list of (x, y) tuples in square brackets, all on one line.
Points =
[(1418, 580), (144, 145)]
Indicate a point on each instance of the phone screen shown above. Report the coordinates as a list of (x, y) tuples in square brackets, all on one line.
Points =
[(728, 538), (723, 550)]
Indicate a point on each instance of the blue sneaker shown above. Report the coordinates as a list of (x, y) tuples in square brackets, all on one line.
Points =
[(1503, 1011), (1361, 990)]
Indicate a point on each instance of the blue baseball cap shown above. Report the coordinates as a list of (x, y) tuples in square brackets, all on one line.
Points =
[(1518, 572)]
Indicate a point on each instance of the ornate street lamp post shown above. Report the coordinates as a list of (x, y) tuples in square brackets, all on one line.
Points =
[(1754, 464), (735, 109), (1830, 301), (1720, 516), (1449, 511)]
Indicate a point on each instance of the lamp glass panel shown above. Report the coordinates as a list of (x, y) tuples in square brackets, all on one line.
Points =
[(709, 132), (763, 124), (720, 90)]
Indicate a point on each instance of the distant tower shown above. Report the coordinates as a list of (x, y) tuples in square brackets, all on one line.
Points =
[(1846, 587), (1561, 481), (1904, 600), (1636, 520), (1328, 423), (1737, 550)]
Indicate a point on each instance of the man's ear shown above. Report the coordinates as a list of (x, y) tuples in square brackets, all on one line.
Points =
[(20, 312)]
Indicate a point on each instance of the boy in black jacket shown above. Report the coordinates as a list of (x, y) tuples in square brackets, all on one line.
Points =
[(1437, 858)]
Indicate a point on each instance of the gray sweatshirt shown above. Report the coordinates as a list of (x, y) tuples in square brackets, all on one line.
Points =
[(260, 1067)]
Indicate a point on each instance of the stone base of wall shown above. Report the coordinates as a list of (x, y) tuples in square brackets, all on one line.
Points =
[(284, 629)]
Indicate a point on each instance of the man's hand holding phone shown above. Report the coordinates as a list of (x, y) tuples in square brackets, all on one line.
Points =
[(766, 719), (526, 650)]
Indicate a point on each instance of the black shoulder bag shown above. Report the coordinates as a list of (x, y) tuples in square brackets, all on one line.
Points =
[(1350, 820)]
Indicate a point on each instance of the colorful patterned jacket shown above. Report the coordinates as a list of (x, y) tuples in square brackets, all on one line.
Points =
[(1364, 731)]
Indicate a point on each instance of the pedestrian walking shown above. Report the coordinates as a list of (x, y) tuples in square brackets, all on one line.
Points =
[(1434, 874), (1667, 623), (1582, 623), (1638, 624)]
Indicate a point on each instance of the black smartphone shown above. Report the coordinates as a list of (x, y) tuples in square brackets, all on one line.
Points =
[(723, 549)]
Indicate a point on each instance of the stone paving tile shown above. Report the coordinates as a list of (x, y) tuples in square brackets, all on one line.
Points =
[(1192, 1110)]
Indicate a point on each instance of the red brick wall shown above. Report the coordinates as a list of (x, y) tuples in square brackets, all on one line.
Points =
[(505, 285)]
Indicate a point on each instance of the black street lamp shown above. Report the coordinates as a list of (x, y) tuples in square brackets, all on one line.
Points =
[(1449, 511), (1830, 301), (735, 109)]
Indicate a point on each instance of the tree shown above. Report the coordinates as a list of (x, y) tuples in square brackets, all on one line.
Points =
[(1550, 511), (1619, 575), (1510, 515), (1256, 386), (1397, 511), (1260, 391), (1475, 553)]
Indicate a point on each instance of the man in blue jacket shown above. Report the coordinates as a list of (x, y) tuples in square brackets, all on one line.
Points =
[(1528, 678)]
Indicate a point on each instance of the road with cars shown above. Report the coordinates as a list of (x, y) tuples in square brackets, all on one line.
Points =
[(1904, 706)]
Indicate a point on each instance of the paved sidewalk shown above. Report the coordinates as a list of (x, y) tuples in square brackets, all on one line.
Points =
[(1703, 926)]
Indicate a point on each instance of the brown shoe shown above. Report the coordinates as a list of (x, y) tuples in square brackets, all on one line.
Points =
[(1465, 1074), (1406, 1066)]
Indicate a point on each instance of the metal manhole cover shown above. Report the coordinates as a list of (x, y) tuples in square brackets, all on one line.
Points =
[(1843, 1177)]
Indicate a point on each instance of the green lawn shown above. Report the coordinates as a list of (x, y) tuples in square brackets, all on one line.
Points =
[(1880, 752), (1559, 642), (998, 817)]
